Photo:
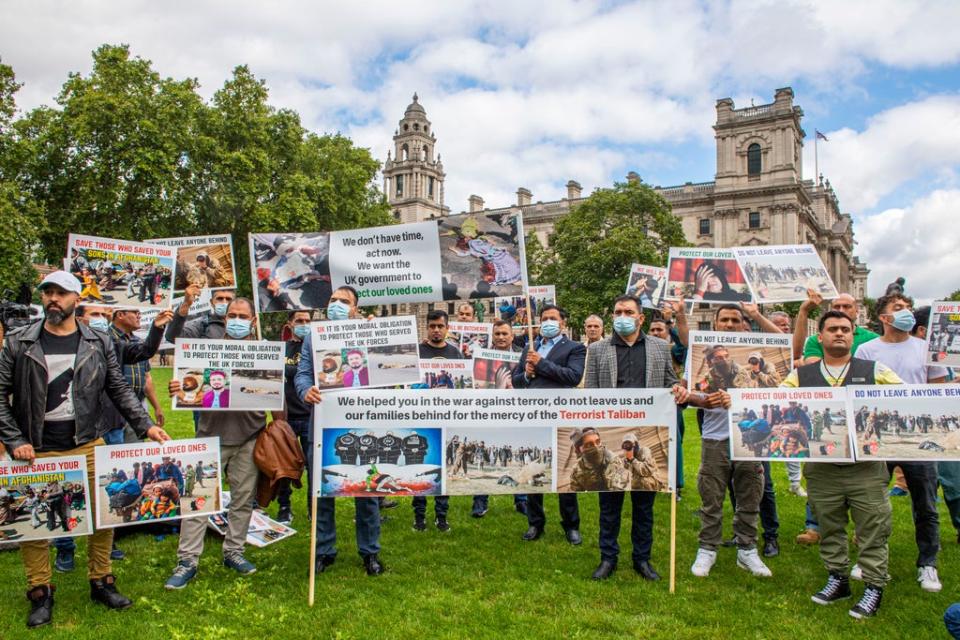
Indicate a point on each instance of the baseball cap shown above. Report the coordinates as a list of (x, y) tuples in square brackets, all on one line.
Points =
[(64, 280)]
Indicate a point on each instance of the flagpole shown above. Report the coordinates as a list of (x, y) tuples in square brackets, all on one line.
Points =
[(816, 159)]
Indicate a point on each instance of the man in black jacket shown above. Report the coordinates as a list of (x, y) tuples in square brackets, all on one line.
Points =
[(556, 362), (52, 375)]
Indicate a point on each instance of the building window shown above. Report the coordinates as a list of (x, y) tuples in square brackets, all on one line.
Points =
[(399, 181), (753, 160), (404, 152), (704, 226), (430, 186), (393, 309), (450, 310), (754, 219), (704, 325)]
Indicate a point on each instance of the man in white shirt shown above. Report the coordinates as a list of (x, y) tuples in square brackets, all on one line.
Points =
[(905, 355)]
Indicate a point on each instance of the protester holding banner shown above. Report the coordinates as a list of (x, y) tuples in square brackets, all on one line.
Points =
[(436, 347), (211, 326), (717, 470), (555, 362), (342, 305), (503, 340), (629, 359), (844, 303), (859, 489), (238, 431), (59, 369), (906, 356), (296, 411)]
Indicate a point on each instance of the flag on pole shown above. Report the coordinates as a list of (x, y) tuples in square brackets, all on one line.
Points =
[(820, 136)]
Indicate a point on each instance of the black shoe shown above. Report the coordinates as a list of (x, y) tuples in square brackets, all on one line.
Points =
[(869, 604), (573, 537), (533, 533), (284, 515), (323, 562), (478, 512), (646, 570), (604, 570), (105, 592), (388, 504), (373, 565), (442, 524), (771, 548), (521, 507), (419, 524), (837, 588), (41, 605), (677, 494)]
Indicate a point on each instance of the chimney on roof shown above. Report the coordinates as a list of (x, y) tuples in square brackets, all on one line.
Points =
[(573, 190), (524, 197), (476, 203)]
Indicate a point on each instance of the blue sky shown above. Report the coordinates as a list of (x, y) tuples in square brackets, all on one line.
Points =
[(539, 92)]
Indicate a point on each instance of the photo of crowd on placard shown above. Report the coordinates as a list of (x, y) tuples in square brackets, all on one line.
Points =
[(943, 335), (807, 430), (445, 374), (482, 460), (612, 459), (126, 280), (378, 462), (785, 273), (292, 270), (905, 429), (36, 508), (480, 255)]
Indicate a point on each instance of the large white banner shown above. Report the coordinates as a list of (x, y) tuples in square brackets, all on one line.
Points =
[(466, 442), (350, 354), (229, 375)]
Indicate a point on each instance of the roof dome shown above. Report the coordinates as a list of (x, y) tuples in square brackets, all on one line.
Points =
[(415, 106)]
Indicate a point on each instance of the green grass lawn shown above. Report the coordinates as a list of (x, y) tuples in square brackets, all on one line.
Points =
[(481, 581)]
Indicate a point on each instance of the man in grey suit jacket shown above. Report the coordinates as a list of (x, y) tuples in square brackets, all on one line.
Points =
[(629, 359)]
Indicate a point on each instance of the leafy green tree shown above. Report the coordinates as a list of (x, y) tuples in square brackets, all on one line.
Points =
[(592, 248), (955, 296)]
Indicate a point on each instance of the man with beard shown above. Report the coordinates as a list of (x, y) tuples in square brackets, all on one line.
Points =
[(839, 492), (629, 359), (356, 374), (52, 377)]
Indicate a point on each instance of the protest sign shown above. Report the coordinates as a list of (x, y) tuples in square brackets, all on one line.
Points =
[(468, 336), (720, 360), (229, 375), (290, 271), (783, 273), (648, 284), (808, 424), (492, 369), (705, 275), (906, 422), (943, 334), (262, 530), (206, 261), (147, 481), (351, 354), (462, 442), (519, 313), (121, 273), (441, 373), (46, 499)]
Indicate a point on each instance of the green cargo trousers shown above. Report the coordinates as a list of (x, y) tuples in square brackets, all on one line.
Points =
[(716, 470), (860, 489)]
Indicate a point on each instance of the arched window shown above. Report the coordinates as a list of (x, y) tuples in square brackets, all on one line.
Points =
[(404, 152), (426, 152), (753, 160)]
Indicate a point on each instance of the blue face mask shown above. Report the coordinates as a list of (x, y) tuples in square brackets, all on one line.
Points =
[(624, 325), (220, 309), (549, 329), (336, 310), (238, 328), (301, 330), (99, 323), (904, 320)]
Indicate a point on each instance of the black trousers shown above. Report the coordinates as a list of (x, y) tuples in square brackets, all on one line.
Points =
[(922, 481), (641, 530), (569, 511), (441, 504)]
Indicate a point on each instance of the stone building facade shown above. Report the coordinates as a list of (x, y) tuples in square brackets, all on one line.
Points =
[(758, 195)]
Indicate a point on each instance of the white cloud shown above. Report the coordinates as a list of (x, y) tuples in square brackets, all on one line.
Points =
[(918, 242), (916, 140)]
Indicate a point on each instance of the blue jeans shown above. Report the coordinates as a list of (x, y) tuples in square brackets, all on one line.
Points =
[(951, 618), (368, 526), (114, 436), (65, 544), (811, 520), (441, 504), (302, 429)]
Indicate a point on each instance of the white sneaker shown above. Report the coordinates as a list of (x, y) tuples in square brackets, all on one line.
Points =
[(928, 579), (797, 490), (750, 560), (856, 573), (703, 563)]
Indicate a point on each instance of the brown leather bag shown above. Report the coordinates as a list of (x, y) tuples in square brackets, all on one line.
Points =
[(278, 456)]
